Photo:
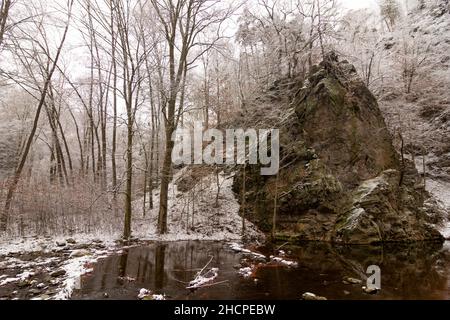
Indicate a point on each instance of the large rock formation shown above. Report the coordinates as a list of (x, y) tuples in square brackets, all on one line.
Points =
[(341, 178)]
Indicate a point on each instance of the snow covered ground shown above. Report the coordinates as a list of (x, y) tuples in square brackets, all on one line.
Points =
[(441, 191), (34, 244), (52, 273), (187, 219), (193, 215)]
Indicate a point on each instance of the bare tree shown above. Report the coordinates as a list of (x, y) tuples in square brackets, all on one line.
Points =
[(413, 56), (51, 65), (182, 23), (390, 12), (132, 59), (5, 7)]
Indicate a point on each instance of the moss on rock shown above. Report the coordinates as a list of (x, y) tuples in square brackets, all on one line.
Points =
[(340, 177)]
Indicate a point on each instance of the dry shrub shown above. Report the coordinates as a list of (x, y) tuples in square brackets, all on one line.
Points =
[(43, 208)]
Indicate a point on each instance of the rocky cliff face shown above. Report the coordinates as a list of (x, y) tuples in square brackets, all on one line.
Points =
[(341, 178), (341, 121)]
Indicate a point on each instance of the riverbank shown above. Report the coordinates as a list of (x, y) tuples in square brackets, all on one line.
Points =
[(51, 268), (38, 267)]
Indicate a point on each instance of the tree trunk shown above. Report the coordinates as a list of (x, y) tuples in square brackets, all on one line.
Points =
[(12, 188), (129, 181), (165, 180), (275, 205), (4, 12), (243, 200), (114, 129)]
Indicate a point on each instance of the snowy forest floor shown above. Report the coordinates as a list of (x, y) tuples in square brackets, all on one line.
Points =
[(194, 215), (50, 267), (441, 191), (187, 220), (421, 124)]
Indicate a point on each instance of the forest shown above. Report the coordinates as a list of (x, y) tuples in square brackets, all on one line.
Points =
[(348, 103)]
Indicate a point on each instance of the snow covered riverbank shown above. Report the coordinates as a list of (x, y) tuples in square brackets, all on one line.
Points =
[(51, 268), (193, 215), (52, 272), (59, 262)]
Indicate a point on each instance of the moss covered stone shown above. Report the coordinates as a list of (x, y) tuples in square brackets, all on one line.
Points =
[(340, 177)]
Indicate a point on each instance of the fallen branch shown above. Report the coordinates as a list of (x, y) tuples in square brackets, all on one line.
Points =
[(210, 260), (202, 279), (282, 246), (212, 284)]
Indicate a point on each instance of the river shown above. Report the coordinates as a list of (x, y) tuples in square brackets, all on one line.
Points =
[(414, 271)]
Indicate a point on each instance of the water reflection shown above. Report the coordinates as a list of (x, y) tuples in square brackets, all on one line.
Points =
[(159, 266), (417, 271)]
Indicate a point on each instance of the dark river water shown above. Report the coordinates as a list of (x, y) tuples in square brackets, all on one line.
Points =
[(420, 271)]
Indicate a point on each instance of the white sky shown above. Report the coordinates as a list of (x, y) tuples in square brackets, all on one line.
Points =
[(373, 4), (359, 4)]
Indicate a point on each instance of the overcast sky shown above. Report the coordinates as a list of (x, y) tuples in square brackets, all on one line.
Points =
[(358, 4)]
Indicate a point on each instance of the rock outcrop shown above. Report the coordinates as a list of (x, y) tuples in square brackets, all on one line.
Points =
[(341, 178)]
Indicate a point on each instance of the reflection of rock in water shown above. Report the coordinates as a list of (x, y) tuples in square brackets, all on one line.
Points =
[(407, 270), (413, 271)]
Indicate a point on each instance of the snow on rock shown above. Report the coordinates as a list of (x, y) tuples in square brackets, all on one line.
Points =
[(288, 263), (245, 272), (74, 269), (145, 294), (79, 253), (312, 297), (25, 275), (60, 243), (46, 244), (8, 280), (238, 248), (445, 230)]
